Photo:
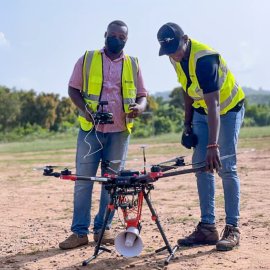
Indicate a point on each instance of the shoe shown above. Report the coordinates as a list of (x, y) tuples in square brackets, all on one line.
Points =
[(106, 239), (204, 234), (74, 241), (230, 238)]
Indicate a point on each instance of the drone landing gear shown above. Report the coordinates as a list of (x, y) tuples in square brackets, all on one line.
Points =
[(155, 218), (100, 249)]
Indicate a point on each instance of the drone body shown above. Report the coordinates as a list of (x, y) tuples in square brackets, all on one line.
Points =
[(128, 189)]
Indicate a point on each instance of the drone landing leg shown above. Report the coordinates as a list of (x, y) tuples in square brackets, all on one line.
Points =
[(98, 248), (155, 218)]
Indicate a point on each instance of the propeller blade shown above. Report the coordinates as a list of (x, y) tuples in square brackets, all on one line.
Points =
[(227, 156), (144, 146), (115, 161), (172, 160), (203, 162), (52, 167), (200, 163)]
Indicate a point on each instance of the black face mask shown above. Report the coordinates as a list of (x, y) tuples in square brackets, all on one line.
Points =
[(115, 45)]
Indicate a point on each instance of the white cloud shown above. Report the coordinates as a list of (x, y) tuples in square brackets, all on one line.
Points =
[(3, 40)]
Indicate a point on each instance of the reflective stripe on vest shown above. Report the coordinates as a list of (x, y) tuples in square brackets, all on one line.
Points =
[(93, 83), (230, 92), (225, 103)]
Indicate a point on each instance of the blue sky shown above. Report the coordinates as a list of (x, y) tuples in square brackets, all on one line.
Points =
[(40, 40)]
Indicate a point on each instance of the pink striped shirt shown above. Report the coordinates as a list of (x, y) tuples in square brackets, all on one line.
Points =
[(111, 91)]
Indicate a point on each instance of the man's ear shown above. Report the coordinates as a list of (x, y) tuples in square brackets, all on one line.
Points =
[(185, 37), (105, 35)]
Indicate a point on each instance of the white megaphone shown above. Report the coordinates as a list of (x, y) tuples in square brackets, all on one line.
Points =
[(129, 243)]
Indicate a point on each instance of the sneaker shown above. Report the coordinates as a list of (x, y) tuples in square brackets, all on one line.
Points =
[(230, 238), (204, 234), (106, 239), (74, 241)]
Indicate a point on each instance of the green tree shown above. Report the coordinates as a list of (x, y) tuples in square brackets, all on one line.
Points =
[(162, 125), (9, 109), (177, 98), (66, 112), (46, 105), (29, 112)]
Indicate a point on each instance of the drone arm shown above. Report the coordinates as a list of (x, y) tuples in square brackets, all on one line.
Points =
[(192, 170), (73, 177), (160, 173), (165, 168)]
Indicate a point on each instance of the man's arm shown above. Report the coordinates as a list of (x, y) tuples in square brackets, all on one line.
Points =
[(212, 102), (188, 112), (76, 97), (212, 156), (208, 78), (139, 106)]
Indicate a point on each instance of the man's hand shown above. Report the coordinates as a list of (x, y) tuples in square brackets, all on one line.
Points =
[(187, 129), (213, 159), (136, 109), (78, 100), (88, 114), (212, 155), (188, 138)]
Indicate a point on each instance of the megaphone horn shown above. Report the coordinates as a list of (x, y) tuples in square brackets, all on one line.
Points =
[(129, 243)]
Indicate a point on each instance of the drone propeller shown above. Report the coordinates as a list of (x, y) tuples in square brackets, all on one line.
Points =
[(105, 163), (203, 162), (115, 161), (51, 167), (200, 163), (172, 160)]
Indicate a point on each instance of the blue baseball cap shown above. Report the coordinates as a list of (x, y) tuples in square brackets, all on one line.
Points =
[(170, 38)]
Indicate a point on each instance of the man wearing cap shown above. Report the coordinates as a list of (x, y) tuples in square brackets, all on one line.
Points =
[(112, 76), (214, 111)]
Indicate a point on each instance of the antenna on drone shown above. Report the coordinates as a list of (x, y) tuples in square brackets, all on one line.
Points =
[(144, 159)]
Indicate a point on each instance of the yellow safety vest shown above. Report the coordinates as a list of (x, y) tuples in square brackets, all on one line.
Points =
[(230, 92), (93, 84)]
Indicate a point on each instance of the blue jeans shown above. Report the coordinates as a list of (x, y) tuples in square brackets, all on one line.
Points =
[(230, 124), (114, 147)]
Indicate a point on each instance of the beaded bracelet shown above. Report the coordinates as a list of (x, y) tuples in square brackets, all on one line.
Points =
[(214, 145)]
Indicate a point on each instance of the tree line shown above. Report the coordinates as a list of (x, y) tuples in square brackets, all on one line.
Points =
[(26, 112)]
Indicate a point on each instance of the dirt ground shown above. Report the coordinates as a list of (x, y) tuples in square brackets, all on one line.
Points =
[(36, 214)]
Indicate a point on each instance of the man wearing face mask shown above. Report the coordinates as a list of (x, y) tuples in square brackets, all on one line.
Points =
[(102, 75), (214, 111)]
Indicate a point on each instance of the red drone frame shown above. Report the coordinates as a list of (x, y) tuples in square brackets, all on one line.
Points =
[(121, 187)]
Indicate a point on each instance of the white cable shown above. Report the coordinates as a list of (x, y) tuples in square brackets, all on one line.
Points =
[(94, 126)]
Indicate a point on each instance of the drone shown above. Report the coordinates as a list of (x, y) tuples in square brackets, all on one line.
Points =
[(128, 189)]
